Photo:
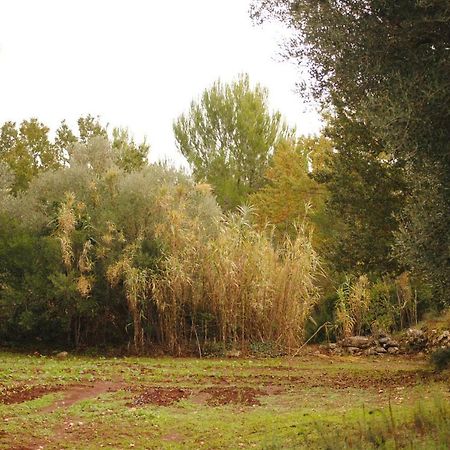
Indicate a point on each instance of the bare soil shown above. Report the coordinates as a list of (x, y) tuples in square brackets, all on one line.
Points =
[(235, 395), (160, 396), (25, 393), (76, 393)]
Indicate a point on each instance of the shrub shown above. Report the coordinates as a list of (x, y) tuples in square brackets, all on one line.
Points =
[(441, 358)]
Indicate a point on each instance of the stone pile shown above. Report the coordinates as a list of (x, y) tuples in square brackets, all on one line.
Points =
[(366, 345), (414, 340), (426, 340)]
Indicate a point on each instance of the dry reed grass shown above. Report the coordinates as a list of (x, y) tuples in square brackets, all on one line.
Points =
[(251, 289)]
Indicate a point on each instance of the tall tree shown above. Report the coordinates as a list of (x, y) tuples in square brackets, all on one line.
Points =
[(27, 149), (290, 189), (129, 155), (365, 192), (385, 65), (228, 137)]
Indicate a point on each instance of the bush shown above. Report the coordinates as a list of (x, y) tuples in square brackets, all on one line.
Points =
[(441, 358)]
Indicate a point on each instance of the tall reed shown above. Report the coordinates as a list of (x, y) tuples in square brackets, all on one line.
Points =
[(252, 290)]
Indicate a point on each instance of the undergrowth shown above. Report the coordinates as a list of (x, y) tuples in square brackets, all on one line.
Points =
[(424, 427)]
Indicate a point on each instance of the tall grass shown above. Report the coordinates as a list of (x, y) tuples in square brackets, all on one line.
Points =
[(248, 289), (137, 284), (384, 305), (423, 427), (353, 305)]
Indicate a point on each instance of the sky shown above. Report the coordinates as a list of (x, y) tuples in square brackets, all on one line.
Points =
[(137, 63)]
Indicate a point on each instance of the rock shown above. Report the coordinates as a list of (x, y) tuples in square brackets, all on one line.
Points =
[(356, 341), (353, 350), (62, 355), (391, 343), (392, 350), (371, 351), (384, 340), (415, 333), (380, 350), (445, 336), (416, 339), (332, 346)]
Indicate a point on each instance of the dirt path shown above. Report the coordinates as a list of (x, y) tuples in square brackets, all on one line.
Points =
[(80, 392), (72, 394)]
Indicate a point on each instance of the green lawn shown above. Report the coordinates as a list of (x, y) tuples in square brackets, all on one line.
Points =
[(304, 402)]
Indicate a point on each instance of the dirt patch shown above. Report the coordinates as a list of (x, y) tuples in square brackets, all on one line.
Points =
[(337, 380), (235, 395), (173, 437), (76, 393), (21, 447), (25, 393), (273, 389), (160, 396)]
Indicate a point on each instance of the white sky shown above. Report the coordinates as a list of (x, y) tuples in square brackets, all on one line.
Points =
[(135, 63)]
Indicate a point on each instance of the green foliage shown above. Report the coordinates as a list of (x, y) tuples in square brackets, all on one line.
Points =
[(129, 155), (228, 137), (423, 238), (264, 349), (383, 66), (369, 304), (78, 211), (215, 349), (365, 191), (441, 358), (28, 150), (150, 252), (28, 302)]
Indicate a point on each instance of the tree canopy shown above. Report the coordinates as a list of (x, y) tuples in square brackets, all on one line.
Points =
[(291, 194), (384, 66), (228, 138), (28, 149)]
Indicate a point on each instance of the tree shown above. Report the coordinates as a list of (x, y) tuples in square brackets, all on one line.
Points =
[(80, 248), (290, 189), (28, 150), (228, 137), (365, 192), (129, 155), (384, 65)]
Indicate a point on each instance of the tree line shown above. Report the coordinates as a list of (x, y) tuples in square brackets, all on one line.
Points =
[(271, 234)]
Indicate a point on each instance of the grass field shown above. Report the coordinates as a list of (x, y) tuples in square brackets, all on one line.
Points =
[(144, 403)]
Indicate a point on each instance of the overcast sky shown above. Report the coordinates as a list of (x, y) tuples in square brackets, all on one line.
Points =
[(135, 63)]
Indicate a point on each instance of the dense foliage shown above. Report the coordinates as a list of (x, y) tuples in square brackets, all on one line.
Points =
[(97, 246), (228, 137), (95, 253), (383, 66)]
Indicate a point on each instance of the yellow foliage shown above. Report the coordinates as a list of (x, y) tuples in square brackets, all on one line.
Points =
[(289, 187)]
